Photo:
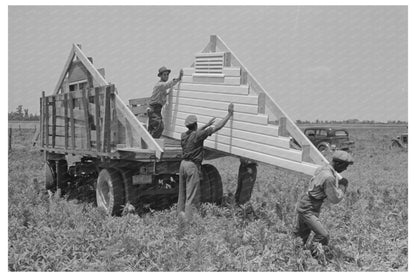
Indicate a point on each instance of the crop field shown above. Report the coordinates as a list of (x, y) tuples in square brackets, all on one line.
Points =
[(368, 229)]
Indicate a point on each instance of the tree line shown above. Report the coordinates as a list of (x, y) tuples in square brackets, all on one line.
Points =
[(22, 114)]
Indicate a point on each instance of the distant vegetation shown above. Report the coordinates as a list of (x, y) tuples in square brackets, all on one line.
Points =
[(22, 114)]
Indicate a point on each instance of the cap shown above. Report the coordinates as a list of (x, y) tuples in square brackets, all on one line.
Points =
[(191, 119), (342, 156), (162, 69)]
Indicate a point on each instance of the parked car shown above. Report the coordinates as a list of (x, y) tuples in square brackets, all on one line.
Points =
[(400, 141), (327, 138)]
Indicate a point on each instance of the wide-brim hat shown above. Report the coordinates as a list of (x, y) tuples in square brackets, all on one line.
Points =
[(163, 69), (191, 119)]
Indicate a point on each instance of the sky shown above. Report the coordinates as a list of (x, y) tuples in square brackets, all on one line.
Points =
[(317, 62)]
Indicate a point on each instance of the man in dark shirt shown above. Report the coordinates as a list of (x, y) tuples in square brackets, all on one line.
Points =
[(192, 143)]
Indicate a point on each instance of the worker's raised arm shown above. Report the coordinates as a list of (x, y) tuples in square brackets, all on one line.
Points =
[(225, 119), (170, 84)]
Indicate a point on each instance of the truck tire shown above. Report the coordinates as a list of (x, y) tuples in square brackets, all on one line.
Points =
[(110, 193), (50, 179), (211, 185), (246, 179), (51, 175)]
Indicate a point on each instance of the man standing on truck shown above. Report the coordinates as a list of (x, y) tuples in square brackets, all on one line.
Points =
[(324, 184), (192, 142), (158, 99)]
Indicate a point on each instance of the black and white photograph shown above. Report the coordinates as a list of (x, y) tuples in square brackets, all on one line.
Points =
[(207, 138)]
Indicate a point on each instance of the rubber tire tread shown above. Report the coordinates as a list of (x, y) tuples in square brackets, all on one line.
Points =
[(113, 179)]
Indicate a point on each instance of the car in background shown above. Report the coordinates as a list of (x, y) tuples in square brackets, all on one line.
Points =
[(327, 138), (400, 141)]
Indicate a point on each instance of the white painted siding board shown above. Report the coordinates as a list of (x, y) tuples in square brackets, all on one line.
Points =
[(231, 71), (220, 105), (244, 90), (240, 99), (282, 142), (252, 118)]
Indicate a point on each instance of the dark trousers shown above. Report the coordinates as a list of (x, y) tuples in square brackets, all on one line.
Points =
[(156, 125), (189, 188), (308, 220)]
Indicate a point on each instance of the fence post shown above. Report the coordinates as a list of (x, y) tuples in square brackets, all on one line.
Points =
[(10, 138)]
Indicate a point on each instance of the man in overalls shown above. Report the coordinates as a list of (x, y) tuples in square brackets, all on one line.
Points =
[(192, 143), (324, 184), (158, 99)]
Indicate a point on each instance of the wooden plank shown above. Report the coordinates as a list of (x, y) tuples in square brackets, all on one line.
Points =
[(244, 90), (206, 79), (53, 117), (270, 129), (90, 67), (42, 119), (87, 118), (46, 126), (213, 44), (261, 103), (129, 134), (66, 119), (97, 117), (65, 70), (217, 105), (209, 54), (240, 99), (282, 126), (231, 71), (251, 118), (72, 120), (137, 127), (208, 75), (251, 135), (107, 120)]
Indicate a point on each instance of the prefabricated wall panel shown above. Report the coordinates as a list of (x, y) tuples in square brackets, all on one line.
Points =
[(206, 91)]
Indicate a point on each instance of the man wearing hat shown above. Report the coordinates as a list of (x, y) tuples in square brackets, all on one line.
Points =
[(192, 142), (158, 99), (324, 184)]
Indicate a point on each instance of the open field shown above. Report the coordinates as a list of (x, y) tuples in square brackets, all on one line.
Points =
[(369, 229)]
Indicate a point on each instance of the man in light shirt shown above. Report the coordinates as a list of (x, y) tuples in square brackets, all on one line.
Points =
[(324, 184), (160, 91)]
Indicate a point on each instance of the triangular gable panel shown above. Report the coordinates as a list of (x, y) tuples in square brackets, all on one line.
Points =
[(216, 78), (120, 114), (77, 53)]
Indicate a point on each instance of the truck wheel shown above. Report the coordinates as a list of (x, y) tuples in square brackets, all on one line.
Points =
[(110, 191), (247, 175), (51, 175), (50, 179), (211, 185)]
